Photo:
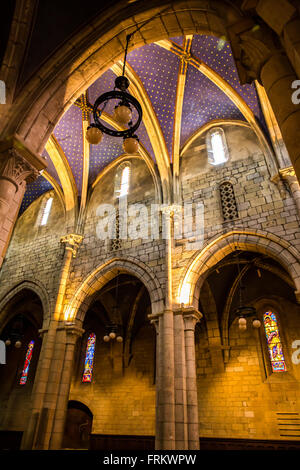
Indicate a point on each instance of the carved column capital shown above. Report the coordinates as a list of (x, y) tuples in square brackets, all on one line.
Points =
[(18, 163), (289, 174), (154, 320), (278, 180), (171, 210), (73, 332), (72, 241), (252, 46), (16, 169), (191, 316)]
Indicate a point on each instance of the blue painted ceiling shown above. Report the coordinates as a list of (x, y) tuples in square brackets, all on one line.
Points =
[(157, 68)]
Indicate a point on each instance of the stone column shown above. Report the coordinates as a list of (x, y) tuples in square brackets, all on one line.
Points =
[(165, 385), (283, 18), (181, 418), (289, 175), (165, 432), (154, 320), (290, 39), (190, 318), (72, 332), (258, 56), (18, 166), (51, 363)]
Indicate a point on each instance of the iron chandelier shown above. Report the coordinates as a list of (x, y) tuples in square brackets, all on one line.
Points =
[(123, 113)]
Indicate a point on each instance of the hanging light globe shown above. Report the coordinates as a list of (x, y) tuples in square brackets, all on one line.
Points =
[(256, 323), (127, 108), (242, 323), (123, 114), (112, 335), (94, 135), (131, 145), (119, 339), (8, 342), (106, 338), (18, 344)]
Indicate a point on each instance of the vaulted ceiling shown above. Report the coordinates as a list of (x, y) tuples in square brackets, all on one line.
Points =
[(182, 83)]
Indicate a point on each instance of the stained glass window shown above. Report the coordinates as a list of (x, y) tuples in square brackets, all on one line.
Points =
[(28, 357), (89, 358), (274, 342)]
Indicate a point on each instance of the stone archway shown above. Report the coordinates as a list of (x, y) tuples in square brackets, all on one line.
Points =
[(102, 275), (36, 287), (94, 49), (259, 241), (21, 319)]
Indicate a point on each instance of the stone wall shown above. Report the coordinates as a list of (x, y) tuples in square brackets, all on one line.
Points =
[(259, 202), (243, 401), (126, 404), (35, 252), (93, 251), (122, 400)]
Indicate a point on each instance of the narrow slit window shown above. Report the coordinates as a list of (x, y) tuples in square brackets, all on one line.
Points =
[(28, 358), (89, 358), (216, 146), (46, 211), (274, 342), (124, 188)]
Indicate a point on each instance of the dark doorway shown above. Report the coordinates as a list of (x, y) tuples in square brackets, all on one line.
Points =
[(78, 426)]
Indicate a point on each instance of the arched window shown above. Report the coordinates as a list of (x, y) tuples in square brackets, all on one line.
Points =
[(28, 358), (122, 180), (228, 201), (217, 150), (89, 358), (46, 211), (274, 342)]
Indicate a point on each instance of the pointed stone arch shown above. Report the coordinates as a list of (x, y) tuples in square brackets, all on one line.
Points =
[(36, 287), (256, 241), (95, 48), (93, 283)]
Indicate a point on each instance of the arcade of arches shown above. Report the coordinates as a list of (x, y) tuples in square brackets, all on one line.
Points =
[(133, 341)]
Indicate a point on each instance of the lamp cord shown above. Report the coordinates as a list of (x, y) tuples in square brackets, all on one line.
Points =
[(117, 287), (240, 280), (129, 36)]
